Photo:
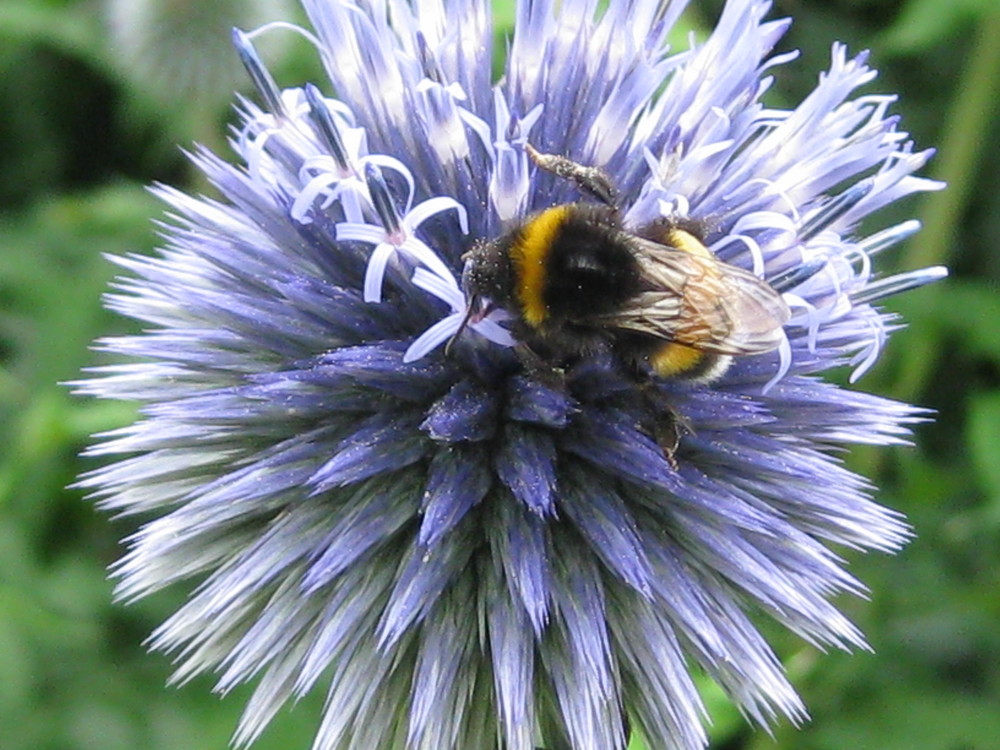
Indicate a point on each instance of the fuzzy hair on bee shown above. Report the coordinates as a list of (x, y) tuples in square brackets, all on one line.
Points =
[(575, 280)]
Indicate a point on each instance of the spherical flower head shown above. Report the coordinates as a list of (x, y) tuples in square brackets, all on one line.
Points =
[(461, 549)]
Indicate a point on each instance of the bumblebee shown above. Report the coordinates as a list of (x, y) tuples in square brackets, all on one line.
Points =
[(576, 281)]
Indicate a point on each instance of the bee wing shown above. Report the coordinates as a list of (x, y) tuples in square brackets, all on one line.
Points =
[(703, 303)]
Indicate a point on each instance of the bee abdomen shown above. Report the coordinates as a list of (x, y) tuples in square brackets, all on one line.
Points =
[(572, 264), (673, 360)]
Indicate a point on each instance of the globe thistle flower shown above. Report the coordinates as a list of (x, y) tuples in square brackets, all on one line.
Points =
[(460, 552)]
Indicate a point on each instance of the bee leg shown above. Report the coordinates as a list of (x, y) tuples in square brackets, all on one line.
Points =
[(668, 426), (668, 429), (591, 180), (539, 369)]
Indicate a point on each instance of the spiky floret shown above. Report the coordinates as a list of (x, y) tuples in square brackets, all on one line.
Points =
[(461, 553)]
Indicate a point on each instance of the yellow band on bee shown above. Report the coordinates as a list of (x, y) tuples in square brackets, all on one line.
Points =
[(530, 255), (674, 359), (688, 243)]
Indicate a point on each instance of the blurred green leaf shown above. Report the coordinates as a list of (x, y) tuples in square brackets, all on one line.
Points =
[(52, 276), (924, 23), (958, 310), (943, 721), (637, 742), (984, 444), (504, 15), (73, 28), (74, 675)]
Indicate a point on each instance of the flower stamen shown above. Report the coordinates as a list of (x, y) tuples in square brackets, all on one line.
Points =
[(897, 283), (887, 238), (385, 206), (327, 129), (797, 275), (259, 74), (834, 210)]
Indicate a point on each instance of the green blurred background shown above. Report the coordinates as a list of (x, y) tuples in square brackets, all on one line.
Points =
[(95, 99)]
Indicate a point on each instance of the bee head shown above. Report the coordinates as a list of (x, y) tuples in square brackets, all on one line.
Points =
[(487, 273)]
